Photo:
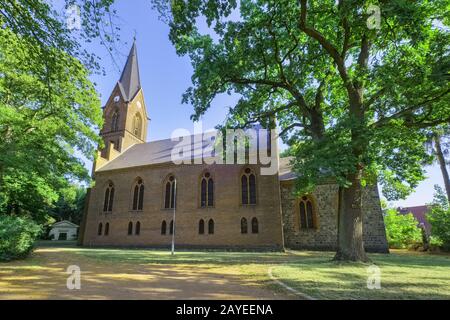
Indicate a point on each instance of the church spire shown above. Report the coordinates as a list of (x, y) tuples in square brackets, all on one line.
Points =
[(130, 82)]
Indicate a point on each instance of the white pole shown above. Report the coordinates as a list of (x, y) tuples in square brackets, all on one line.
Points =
[(174, 216)]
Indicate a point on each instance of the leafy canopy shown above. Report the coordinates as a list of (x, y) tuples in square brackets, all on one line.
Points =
[(49, 109), (346, 97)]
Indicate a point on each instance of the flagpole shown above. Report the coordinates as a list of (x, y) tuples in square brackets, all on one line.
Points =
[(174, 216)]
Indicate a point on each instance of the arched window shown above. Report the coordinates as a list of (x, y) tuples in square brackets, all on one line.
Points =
[(109, 198), (170, 193), (307, 213), (100, 229), (164, 227), (115, 121), (137, 125), (255, 227), (130, 228), (244, 227), (107, 229), (201, 227), (248, 187), (206, 191), (211, 226), (137, 230), (138, 195), (171, 227)]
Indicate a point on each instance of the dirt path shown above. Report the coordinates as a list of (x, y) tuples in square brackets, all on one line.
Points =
[(44, 277)]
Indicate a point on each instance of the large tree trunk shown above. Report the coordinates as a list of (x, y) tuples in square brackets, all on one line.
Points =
[(441, 159), (350, 222)]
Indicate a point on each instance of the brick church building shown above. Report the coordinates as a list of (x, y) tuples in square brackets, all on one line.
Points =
[(229, 206)]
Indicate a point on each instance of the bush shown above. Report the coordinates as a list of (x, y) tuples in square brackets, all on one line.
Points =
[(401, 230), (17, 236)]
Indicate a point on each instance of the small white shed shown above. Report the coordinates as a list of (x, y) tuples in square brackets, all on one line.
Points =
[(64, 230)]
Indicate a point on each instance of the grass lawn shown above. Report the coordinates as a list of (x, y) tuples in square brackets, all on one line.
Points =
[(404, 275)]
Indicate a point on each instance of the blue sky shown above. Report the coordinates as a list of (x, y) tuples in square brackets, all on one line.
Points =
[(165, 76)]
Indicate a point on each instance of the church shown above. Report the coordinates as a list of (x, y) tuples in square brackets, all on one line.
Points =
[(141, 198)]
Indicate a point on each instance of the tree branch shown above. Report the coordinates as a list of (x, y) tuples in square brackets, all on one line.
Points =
[(328, 46), (385, 120)]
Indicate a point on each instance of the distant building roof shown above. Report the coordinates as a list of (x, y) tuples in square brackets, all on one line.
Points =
[(65, 224), (419, 212)]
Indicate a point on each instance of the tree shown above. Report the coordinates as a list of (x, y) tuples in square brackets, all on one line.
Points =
[(48, 106), (439, 218), (439, 143), (352, 101), (70, 204)]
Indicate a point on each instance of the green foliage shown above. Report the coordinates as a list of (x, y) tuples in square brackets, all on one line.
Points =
[(439, 218), (45, 25), (49, 110), (70, 205), (345, 97), (401, 230), (17, 236), (42, 122)]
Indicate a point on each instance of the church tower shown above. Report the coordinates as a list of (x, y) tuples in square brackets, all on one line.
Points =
[(125, 113)]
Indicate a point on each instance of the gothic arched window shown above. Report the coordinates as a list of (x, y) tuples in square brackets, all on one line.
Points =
[(201, 227), (307, 213), (170, 192), (138, 195), (137, 229), (115, 121), (130, 228), (255, 226), (244, 227), (109, 198), (137, 125), (107, 229), (211, 226), (164, 227), (100, 229), (206, 191), (248, 187)]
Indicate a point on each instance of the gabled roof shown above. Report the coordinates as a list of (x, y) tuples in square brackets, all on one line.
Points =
[(66, 223), (130, 81), (159, 152)]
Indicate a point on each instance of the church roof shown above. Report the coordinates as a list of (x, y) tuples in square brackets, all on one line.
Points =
[(160, 152), (130, 81)]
